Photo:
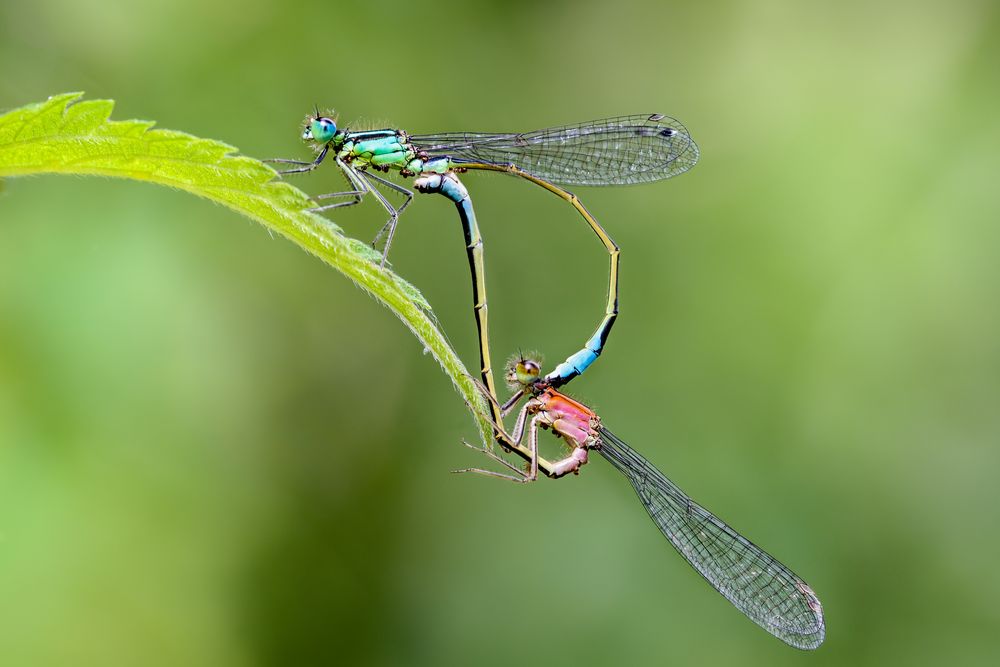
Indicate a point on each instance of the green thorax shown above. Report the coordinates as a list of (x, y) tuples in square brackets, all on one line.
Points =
[(384, 150)]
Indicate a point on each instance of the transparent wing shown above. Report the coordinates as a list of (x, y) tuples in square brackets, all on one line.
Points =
[(613, 151), (762, 588)]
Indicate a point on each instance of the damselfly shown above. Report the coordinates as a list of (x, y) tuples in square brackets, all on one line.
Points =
[(614, 151), (766, 591)]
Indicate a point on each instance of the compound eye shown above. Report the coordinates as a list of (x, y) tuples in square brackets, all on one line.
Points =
[(323, 129), (527, 371)]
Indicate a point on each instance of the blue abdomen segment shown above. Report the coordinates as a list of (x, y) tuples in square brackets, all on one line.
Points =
[(455, 191), (580, 361)]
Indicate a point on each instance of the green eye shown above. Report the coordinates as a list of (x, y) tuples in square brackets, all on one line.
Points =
[(322, 130)]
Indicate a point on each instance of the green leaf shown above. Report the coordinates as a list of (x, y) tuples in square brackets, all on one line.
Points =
[(66, 136)]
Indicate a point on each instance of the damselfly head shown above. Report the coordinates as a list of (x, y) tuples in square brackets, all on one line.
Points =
[(522, 371), (320, 129)]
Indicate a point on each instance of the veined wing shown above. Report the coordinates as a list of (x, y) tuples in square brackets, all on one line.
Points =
[(613, 151), (770, 594)]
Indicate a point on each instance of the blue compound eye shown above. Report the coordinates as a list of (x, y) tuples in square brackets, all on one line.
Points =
[(320, 130)]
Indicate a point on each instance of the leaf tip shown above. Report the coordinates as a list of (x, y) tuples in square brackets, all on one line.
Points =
[(64, 98)]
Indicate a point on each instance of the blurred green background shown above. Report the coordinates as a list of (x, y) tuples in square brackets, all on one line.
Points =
[(214, 450)]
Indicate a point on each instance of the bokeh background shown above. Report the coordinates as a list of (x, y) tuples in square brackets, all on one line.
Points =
[(214, 450)]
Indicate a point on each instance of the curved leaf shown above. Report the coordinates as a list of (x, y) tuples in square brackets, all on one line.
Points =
[(68, 136)]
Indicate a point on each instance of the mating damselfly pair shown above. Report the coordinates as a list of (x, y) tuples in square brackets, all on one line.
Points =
[(615, 151)]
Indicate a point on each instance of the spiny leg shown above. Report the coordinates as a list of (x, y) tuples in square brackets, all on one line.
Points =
[(394, 213), (518, 433), (507, 440), (507, 407), (359, 185), (496, 409), (532, 443), (522, 477), (304, 166), (362, 185), (356, 194)]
